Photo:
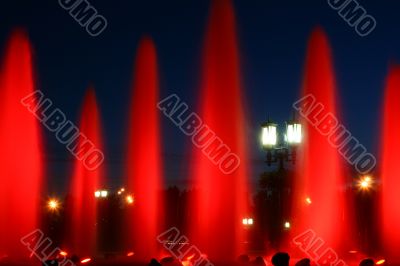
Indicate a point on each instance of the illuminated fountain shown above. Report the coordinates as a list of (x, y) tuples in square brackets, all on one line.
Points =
[(20, 163), (320, 184), (217, 208), (81, 233), (390, 170), (144, 164)]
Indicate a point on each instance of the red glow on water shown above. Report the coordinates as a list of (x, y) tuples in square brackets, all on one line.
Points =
[(20, 162), (390, 171), (144, 164), (81, 233), (319, 174), (220, 203)]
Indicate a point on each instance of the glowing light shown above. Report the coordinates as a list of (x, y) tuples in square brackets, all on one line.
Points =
[(353, 251), (53, 204), (130, 254), (250, 221), (130, 199), (269, 135), (287, 225), (308, 200), (86, 260), (63, 253), (97, 194), (365, 183), (244, 221), (293, 133), (187, 261), (380, 262)]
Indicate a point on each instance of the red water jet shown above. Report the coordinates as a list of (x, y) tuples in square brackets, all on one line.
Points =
[(144, 163), (390, 171), (220, 202), (82, 230), (320, 196), (20, 163)]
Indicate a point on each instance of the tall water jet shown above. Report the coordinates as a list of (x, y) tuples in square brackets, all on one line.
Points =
[(220, 202), (20, 163), (390, 171), (144, 163), (82, 208), (320, 196)]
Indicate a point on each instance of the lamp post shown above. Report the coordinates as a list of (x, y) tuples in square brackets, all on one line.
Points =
[(279, 151)]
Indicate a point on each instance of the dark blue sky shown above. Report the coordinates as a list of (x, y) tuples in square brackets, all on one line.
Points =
[(272, 36)]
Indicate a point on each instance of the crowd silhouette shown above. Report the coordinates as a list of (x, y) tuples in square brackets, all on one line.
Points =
[(279, 259)]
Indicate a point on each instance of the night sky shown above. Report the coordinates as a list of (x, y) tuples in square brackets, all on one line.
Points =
[(272, 38)]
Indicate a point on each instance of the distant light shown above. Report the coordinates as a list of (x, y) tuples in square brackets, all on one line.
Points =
[(308, 200), (53, 204), (244, 221), (380, 262), (97, 194), (86, 260), (287, 225), (130, 199), (104, 193), (122, 190), (130, 254), (63, 253), (353, 251), (250, 221)]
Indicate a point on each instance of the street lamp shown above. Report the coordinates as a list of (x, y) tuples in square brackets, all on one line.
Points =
[(278, 151), (269, 134), (293, 132)]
